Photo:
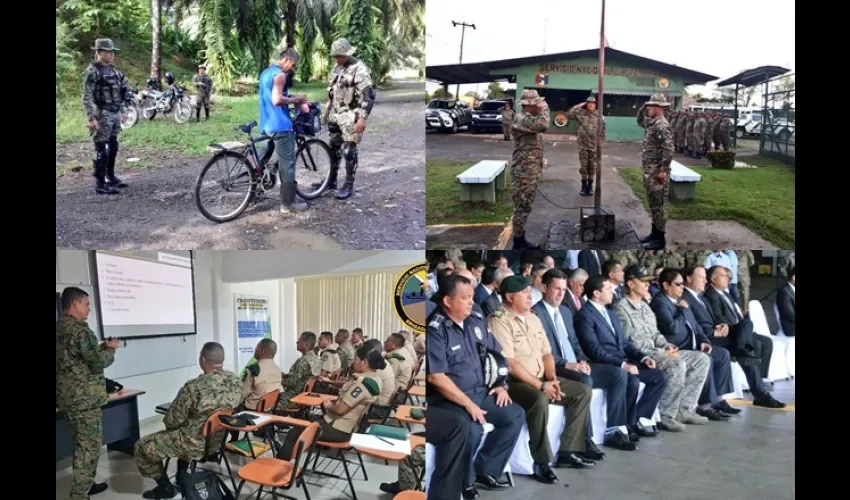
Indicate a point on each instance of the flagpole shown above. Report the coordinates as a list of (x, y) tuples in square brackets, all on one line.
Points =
[(597, 198)]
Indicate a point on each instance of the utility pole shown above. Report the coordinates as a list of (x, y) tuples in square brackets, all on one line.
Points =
[(600, 110), (460, 61)]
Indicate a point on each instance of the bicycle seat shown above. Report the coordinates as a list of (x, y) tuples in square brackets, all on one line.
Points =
[(247, 127)]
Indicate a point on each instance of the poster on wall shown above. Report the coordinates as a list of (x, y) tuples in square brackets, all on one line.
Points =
[(253, 323)]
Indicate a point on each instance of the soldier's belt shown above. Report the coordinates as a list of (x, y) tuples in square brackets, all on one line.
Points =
[(111, 108)]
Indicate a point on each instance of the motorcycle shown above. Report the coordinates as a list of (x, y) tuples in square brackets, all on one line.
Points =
[(171, 100), (131, 108)]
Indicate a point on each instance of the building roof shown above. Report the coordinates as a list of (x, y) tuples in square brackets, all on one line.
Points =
[(451, 74), (754, 76)]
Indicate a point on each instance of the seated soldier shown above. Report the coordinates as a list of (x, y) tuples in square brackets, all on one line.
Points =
[(408, 344), (260, 378), (344, 348), (386, 375), (341, 416), (183, 435), (357, 338), (328, 354), (419, 345), (304, 368), (399, 360)]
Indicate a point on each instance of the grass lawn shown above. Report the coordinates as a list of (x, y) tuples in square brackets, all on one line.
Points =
[(760, 198), (443, 204), (187, 139)]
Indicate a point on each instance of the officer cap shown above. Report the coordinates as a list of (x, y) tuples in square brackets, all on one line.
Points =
[(636, 272), (513, 284)]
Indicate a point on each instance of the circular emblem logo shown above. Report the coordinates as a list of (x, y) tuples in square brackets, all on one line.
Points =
[(663, 83), (409, 297), (479, 333), (560, 119)]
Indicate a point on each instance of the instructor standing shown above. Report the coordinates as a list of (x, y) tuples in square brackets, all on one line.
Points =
[(81, 387), (584, 114), (527, 161), (657, 155)]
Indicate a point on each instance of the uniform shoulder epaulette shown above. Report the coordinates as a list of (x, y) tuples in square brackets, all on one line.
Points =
[(397, 356), (371, 385), (254, 369), (477, 314), (330, 351), (499, 313), (436, 320)]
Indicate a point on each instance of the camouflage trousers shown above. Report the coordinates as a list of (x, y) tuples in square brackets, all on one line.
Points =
[(685, 378), (656, 195), (407, 469), (524, 177), (587, 160), (721, 139), (699, 140), (345, 120), (87, 430), (152, 450), (202, 99), (706, 146), (744, 291), (285, 396), (506, 129), (679, 139), (108, 126), (691, 142)]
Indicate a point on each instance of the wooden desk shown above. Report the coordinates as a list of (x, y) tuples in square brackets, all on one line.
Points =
[(120, 425), (402, 414), (275, 419), (304, 399), (418, 391), (419, 378), (388, 455)]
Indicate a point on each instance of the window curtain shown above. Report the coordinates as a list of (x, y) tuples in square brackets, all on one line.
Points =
[(328, 303)]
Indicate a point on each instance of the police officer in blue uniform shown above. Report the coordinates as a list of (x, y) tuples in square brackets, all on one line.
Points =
[(457, 347)]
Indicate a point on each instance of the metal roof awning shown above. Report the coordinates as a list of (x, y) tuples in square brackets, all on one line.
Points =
[(754, 76), (640, 93)]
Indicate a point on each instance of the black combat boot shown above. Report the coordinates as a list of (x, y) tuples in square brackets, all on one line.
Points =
[(198, 115), (589, 189), (350, 169), (657, 243), (520, 243), (101, 187), (164, 490), (206, 113), (651, 236), (583, 187)]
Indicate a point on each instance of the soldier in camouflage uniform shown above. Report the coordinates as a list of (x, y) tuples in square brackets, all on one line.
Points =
[(746, 260), (690, 139), (674, 122), (710, 126), (686, 370), (648, 259), (694, 258), (398, 358), (681, 132), (203, 85), (587, 124), (671, 259), (507, 120), (624, 257), (657, 155), (306, 367), (104, 90), (183, 436), (723, 129), (350, 101), (328, 354), (527, 161), (81, 387), (699, 135), (345, 349)]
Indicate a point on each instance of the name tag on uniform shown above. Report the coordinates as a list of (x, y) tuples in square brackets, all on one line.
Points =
[(455, 348)]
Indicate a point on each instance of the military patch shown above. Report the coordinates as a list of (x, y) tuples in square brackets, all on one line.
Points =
[(478, 333), (371, 385), (356, 392), (659, 133)]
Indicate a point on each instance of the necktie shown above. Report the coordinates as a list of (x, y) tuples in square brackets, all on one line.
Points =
[(732, 304), (564, 339), (577, 302), (608, 320)]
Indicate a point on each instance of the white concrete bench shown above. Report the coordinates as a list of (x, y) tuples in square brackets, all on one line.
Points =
[(480, 181), (683, 182)]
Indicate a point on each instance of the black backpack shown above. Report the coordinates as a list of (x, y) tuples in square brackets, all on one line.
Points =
[(204, 485)]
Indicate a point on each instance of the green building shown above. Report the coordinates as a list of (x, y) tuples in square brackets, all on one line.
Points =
[(568, 78)]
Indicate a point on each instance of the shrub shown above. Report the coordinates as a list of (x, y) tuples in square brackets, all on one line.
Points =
[(721, 159)]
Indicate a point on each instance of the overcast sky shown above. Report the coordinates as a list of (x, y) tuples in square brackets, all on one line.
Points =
[(717, 37)]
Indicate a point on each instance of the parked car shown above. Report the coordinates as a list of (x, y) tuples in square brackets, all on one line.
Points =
[(447, 115), (488, 116)]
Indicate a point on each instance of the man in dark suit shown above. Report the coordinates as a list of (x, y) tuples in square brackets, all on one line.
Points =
[(574, 297), (602, 339), (786, 303), (494, 301), (486, 287), (571, 362), (752, 351), (612, 271), (591, 261), (678, 309)]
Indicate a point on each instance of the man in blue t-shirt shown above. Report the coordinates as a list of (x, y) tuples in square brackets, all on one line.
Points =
[(276, 123)]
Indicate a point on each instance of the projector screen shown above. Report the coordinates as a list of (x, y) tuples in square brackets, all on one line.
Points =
[(145, 293)]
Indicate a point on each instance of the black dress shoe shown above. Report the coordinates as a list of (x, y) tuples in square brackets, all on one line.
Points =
[(619, 441), (591, 451), (713, 414), (544, 474), (642, 431), (573, 461), (634, 438), (392, 488), (491, 483), (97, 488), (768, 401), (470, 493), (726, 408)]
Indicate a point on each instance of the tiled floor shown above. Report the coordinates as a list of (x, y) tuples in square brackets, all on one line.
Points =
[(121, 474)]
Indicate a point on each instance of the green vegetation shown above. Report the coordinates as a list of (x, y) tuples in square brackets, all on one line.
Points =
[(761, 198), (443, 203)]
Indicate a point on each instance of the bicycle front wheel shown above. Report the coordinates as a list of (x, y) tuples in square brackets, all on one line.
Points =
[(313, 162), (225, 186)]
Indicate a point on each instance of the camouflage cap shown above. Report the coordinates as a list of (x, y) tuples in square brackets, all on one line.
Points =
[(590, 99), (202, 65), (342, 47), (658, 100), (104, 44), (530, 97)]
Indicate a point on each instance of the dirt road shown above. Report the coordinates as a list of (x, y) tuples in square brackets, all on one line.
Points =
[(158, 209)]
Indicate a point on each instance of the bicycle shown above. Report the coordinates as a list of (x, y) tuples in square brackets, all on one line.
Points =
[(256, 177)]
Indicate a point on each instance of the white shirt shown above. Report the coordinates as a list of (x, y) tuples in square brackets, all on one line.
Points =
[(536, 295), (793, 288), (552, 311)]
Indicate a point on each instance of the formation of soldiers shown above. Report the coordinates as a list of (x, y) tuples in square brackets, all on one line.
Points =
[(696, 132)]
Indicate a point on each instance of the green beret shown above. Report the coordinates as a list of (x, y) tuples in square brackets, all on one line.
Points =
[(515, 283)]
